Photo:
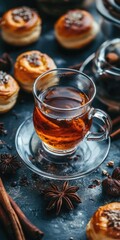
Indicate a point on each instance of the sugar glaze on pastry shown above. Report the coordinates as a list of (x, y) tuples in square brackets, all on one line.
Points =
[(9, 89), (105, 223), (30, 65), (75, 29), (20, 26)]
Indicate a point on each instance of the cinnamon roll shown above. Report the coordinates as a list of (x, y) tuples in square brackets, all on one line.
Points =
[(20, 26), (105, 223), (29, 66), (8, 92), (75, 29)]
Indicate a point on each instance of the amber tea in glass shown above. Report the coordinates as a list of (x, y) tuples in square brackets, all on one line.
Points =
[(63, 114), (59, 130)]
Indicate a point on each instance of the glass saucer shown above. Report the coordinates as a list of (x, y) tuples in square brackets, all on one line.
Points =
[(101, 93), (88, 156)]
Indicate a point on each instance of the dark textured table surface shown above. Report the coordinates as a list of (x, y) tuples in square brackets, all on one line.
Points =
[(68, 225)]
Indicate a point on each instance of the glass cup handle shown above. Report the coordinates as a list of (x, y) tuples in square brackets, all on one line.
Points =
[(104, 130)]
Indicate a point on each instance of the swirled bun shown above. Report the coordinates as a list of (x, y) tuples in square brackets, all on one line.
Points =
[(29, 66), (75, 29), (20, 26), (105, 223), (8, 92)]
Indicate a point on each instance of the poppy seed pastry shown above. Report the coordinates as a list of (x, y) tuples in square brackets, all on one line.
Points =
[(8, 92), (105, 223), (30, 65), (75, 29), (20, 26)]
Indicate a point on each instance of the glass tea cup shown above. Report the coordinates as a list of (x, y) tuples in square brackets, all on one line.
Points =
[(63, 114)]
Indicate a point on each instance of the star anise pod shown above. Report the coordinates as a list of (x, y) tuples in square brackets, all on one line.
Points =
[(8, 164), (66, 195), (2, 129), (5, 62)]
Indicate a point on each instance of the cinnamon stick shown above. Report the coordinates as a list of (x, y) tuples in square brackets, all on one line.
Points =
[(30, 230), (76, 66), (115, 133), (4, 200), (116, 120), (6, 223)]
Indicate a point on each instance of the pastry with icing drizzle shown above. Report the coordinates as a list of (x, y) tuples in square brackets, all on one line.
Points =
[(8, 92), (105, 223), (20, 26), (30, 65), (76, 29)]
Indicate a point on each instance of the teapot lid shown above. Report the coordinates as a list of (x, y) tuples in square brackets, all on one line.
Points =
[(109, 9)]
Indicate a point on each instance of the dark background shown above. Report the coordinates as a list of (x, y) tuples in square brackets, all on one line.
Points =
[(69, 225)]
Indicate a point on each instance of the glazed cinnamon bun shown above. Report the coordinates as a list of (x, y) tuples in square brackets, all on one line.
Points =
[(20, 26), (29, 65), (8, 92), (75, 29), (105, 223)]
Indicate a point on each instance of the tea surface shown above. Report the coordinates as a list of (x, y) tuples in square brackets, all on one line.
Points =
[(58, 121), (64, 97)]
